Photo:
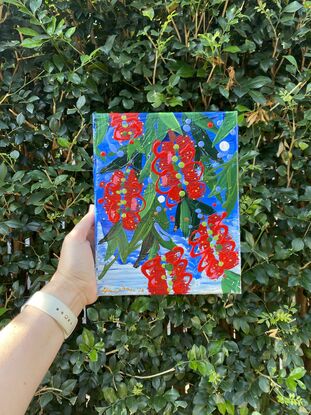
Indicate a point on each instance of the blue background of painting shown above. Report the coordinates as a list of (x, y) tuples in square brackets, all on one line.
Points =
[(122, 275)]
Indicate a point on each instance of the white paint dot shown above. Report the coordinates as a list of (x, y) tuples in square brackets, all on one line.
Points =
[(161, 199), (224, 146)]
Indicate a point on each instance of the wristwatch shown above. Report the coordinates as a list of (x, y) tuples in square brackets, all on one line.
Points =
[(55, 308)]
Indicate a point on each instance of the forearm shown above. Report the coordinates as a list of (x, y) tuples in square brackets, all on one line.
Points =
[(28, 346)]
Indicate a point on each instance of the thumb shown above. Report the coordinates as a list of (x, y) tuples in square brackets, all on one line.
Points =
[(81, 230)]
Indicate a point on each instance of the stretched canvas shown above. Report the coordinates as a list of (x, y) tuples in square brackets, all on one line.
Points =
[(166, 203)]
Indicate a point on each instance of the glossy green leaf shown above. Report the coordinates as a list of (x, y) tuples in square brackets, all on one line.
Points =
[(291, 59), (3, 172), (35, 5), (27, 31), (297, 244), (264, 384), (292, 7)]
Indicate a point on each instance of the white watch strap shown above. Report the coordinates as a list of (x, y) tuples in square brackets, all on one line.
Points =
[(56, 309)]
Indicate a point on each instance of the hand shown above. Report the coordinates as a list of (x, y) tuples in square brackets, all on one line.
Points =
[(74, 282)]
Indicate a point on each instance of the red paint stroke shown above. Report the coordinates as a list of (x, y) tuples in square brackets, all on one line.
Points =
[(178, 172), (212, 242), (127, 126), (123, 200), (160, 267)]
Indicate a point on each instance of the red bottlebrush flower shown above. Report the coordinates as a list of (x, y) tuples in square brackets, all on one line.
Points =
[(212, 242), (156, 274), (177, 170), (123, 199), (159, 268), (127, 126)]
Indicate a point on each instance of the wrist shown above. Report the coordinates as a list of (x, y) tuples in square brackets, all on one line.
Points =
[(66, 291)]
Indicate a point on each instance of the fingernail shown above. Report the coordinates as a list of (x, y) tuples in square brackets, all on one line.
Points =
[(91, 208)]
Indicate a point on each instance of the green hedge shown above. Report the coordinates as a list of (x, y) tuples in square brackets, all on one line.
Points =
[(60, 61)]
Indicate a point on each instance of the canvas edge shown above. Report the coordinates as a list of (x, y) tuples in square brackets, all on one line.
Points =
[(94, 118)]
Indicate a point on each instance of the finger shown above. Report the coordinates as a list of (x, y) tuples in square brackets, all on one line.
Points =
[(82, 228), (91, 236)]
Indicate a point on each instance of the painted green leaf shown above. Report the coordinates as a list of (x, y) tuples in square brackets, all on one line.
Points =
[(231, 283), (145, 248), (227, 180), (106, 269), (113, 233), (210, 178), (156, 128), (163, 220), (150, 134), (185, 217), (170, 121), (177, 216), (132, 148), (145, 172), (117, 163), (141, 231), (197, 204), (232, 189), (123, 245), (112, 245), (230, 121), (102, 125), (149, 196), (201, 121), (168, 244), (154, 249), (200, 135)]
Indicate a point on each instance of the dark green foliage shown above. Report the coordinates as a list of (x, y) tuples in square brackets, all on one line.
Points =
[(60, 61)]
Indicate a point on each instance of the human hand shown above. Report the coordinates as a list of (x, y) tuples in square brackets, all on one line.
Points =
[(74, 282)]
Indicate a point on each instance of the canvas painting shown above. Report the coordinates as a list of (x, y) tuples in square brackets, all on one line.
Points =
[(166, 203)]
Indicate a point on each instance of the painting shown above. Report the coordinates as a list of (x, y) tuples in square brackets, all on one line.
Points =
[(166, 203)]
